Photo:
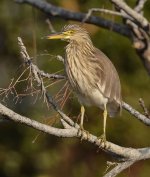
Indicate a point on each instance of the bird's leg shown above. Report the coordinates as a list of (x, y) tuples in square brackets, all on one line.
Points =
[(103, 136), (82, 117), (105, 119), (81, 124)]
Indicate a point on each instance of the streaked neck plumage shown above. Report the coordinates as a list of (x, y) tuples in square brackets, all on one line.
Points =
[(79, 47), (79, 54)]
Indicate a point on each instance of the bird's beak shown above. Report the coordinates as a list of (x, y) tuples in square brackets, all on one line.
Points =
[(59, 35)]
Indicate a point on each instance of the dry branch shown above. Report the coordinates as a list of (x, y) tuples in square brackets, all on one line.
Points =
[(139, 19), (28, 61), (135, 27), (140, 5), (140, 28), (136, 114), (146, 112), (129, 155), (90, 12), (55, 11)]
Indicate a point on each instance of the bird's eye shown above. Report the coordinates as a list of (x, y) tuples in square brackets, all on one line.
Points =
[(71, 32)]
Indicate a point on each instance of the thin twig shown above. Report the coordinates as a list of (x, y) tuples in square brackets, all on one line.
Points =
[(51, 27), (135, 113), (146, 112), (110, 12), (60, 58), (28, 60), (47, 97)]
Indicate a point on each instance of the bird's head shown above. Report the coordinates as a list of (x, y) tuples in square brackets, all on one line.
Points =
[(70, 33)]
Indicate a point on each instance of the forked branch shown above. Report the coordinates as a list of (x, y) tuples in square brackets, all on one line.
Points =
[(135, 26)]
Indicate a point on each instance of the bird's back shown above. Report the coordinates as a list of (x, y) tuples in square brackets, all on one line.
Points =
[(109, 83)]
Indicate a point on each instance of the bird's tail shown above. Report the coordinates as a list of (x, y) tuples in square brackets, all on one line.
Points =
[(114, 109)]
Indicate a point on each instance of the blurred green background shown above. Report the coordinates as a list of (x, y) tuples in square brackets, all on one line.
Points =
[(49, 156)]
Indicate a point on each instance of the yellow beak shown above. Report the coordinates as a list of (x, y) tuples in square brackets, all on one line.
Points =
[(55, 36)]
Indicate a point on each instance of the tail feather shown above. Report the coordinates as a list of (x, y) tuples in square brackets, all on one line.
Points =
[(114, 109)]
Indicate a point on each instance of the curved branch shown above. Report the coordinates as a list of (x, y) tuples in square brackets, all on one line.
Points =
[(36, 125), (52, 10), (129, 155), (111, 148), (136, 28), (136, 114)]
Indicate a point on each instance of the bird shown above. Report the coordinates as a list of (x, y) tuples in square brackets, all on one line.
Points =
[(91, 74)]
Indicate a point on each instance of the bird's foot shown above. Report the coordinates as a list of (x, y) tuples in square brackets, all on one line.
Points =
[(84, 134), (102, 139)]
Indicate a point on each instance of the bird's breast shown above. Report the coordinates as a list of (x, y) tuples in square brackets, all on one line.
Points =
[(81, 80)]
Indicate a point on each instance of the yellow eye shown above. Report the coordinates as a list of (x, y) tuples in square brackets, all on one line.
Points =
[(70, 32)]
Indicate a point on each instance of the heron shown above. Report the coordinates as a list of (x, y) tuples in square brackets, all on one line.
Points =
[(90, 73)]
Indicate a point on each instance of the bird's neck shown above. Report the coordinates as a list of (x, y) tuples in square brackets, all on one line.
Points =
[(80, 48), (77, 62)]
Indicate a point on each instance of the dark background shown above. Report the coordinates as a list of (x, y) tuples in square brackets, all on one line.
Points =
[(50, 156)]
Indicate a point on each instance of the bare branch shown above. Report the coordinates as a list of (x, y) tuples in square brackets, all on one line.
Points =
[(146, 112), (129, 154), (90, 11), (50, 26), (126, 153), (136, 16), (37, 125), (140, 5), (60, 58), (28, 60), (50, 76), (135, 24), (135, 113), (52, 10), (47, 98), (140, 29)]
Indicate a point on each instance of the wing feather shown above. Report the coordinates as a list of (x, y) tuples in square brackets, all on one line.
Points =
[(108, 82)]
